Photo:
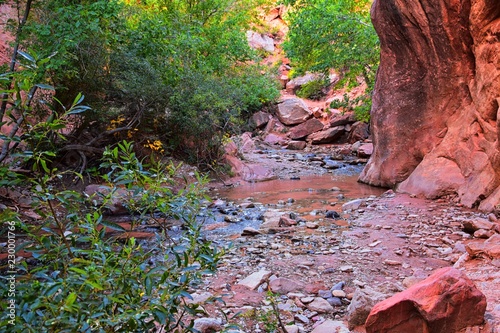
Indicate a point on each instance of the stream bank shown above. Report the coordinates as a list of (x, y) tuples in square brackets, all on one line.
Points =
[(314, 244)]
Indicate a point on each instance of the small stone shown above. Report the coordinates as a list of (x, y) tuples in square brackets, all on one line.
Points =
[(307, 300), (249, 231), (334, 301), (292, 329), (207, 325), (392, 262), (312, 225), (324, 293), (331, 326), (482, 233), (352, 205), (338, 286), (338, 293), (302, 318), (320, 305), (346, 268)]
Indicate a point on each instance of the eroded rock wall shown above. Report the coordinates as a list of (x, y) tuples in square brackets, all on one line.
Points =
[(435, 116)]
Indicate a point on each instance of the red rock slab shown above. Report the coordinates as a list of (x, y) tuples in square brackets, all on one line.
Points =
[(447, 301)]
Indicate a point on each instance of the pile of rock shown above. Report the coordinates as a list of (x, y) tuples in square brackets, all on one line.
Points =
[(294, 125)]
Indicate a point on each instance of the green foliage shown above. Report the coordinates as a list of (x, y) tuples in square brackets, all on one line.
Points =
[(84, 280), (360, 105), (313, 89), (337, 34), (81, 278), (142, 57)]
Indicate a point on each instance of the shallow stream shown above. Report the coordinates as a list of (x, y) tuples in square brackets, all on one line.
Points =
[(310, 197)]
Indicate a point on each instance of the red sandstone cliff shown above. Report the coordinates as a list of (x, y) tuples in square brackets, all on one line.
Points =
[(435, 115)]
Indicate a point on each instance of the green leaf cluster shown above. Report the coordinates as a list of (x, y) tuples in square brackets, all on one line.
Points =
[(338, 34), (84, 279), (165, 62)]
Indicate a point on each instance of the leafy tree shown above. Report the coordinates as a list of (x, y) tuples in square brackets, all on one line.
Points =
[(133, 59), (338, 34)]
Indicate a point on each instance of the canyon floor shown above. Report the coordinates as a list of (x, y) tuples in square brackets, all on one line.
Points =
[(384, 241)]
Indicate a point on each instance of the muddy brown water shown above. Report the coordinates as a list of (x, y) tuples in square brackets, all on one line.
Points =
[(311, 191)]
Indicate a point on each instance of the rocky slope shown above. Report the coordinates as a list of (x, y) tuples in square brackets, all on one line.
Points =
[(435, 107)]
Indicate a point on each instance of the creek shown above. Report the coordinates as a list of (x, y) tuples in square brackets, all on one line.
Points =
[(309, 197)]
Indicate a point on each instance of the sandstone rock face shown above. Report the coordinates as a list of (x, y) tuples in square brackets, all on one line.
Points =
[(447, 301), (436, 99), (293, 111)]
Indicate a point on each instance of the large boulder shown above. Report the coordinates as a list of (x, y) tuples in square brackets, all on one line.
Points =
[(447, 301), (309, 127), (293, 111), (327, 136), (436, 98), (260, 41)]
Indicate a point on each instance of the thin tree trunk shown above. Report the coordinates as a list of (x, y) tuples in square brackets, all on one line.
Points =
[(12, 68)]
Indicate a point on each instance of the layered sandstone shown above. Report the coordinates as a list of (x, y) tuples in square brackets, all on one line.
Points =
[(436, 102)]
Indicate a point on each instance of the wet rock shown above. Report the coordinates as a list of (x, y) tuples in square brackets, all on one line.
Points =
[(331, 326), (254, 280), (293, 111), (207, 325), (362, 303), (447, 301), (320, 305), (284, 286), (331, 164), (332, 214)]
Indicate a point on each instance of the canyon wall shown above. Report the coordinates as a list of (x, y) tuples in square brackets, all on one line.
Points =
[(435, 115)]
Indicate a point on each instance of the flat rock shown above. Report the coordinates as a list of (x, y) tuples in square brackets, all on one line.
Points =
[(284, 286), (327, 136), (331, 326), (473, 225), (306, 128), (320, 305), (254, 280), (353, 204), (447, 301)]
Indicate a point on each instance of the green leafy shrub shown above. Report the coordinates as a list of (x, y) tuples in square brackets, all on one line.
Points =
[(337, 34), (82, 280), (313, 89)]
